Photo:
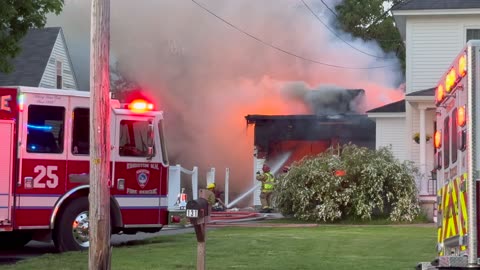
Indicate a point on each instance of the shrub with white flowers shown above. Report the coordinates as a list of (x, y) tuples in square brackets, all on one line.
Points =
[(358, 183)]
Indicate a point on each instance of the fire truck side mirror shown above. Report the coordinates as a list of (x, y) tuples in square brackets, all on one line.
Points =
[(150, 140), (198, 211)]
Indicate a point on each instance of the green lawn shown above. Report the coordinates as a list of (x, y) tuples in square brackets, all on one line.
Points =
[(324, 247)]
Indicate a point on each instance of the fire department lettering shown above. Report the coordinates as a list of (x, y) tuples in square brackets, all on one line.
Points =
[(49, 171), (142, 165), (4, 103)]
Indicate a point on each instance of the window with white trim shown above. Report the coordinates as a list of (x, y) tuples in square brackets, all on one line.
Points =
[(473, 34)]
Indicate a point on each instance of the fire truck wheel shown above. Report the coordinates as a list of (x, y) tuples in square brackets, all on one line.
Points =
[(71, 230), (14, 240)]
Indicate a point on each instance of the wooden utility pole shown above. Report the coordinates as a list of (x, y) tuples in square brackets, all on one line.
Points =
[(99, 198)]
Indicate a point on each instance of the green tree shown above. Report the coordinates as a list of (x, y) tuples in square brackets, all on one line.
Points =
[(121, 85), (370, 20), (16, 17)]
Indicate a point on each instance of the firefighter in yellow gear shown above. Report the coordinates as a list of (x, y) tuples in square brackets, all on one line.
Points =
[(268, 183)]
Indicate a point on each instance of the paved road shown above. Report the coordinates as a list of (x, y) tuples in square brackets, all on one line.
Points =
[(35, 248)]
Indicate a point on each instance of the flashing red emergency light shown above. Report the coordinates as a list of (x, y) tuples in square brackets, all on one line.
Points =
[(340, 172), (437, 140), (462, 65), (140, 105), (440, 93), (450, 80), (461, 120)]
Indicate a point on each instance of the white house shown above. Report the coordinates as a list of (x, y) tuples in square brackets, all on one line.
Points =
[(44, 61), (434, 32)]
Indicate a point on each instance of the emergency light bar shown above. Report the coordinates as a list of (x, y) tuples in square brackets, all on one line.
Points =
[(140, 105), (450, 80)]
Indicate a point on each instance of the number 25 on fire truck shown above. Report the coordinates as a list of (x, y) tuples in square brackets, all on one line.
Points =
[(457, 162), (44, 165)]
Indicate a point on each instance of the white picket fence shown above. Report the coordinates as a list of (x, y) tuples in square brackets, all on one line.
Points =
[(175, 184)]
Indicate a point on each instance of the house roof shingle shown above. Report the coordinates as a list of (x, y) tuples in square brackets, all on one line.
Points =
[(29, 65), (437, 4), (395, 107), (430, 92)]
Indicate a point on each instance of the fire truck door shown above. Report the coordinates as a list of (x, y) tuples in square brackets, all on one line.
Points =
[(42, 159), (136, 171), (6, 169)]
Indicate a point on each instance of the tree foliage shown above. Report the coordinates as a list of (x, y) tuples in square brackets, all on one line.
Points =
[(16, 17), (119, 81), (375, 183), (368, 19)]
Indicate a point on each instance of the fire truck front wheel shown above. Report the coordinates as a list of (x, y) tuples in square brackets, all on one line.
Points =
[(71, 230)]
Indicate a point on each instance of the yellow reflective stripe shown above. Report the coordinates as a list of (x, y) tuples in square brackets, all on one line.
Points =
[(439, 211), (446, 213), (455, 216), (463, 205)]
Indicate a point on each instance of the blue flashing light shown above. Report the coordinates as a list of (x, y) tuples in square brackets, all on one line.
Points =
[(43, 128)]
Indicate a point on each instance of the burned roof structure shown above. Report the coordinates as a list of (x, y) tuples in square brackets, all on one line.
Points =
[(334, 119), (341, 128)]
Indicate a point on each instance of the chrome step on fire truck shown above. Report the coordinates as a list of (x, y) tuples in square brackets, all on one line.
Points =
[(44, 165), (457, 162)]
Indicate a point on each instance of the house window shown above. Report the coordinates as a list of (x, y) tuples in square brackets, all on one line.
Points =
[(59, 74), (473, 34)]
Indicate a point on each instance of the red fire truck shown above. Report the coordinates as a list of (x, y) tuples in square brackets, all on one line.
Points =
[(44, 166), (457, 161)]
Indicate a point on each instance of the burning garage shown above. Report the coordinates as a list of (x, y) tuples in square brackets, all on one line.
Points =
[(280, 140)]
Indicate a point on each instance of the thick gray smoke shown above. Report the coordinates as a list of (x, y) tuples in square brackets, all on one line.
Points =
[(207, 76), (325, 99)]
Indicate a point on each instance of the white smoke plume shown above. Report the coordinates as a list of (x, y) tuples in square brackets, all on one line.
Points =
[(207, 76)]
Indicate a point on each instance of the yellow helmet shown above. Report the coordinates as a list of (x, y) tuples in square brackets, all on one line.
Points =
[(211, 185)]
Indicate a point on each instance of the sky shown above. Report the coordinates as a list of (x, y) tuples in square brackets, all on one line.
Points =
[(208, 75)]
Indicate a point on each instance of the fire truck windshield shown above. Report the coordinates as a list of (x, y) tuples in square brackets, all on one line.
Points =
[(134, 138)]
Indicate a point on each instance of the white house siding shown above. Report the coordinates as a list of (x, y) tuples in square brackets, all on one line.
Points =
[(390, 131), (432, 44), (415, 127), (49, 78)]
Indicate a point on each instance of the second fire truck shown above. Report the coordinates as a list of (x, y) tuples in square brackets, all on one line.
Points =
[(457, 162), (44, 166)]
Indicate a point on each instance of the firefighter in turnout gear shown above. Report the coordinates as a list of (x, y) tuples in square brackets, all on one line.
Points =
[(268, 182), (215, 200)]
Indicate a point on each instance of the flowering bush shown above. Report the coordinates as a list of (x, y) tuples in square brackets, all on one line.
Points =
[(375, 183)]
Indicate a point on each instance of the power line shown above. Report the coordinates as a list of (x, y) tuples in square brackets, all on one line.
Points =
[(334, 13), (376, 20), (278, 48), (336, 34)]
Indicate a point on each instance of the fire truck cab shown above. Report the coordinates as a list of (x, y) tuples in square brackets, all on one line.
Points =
[(44, 167), (457, 161)]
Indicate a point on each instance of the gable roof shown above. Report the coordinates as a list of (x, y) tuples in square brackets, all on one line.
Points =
[(430, 92), (431, 8), (395, 107), (437, 4), (30, 64)]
